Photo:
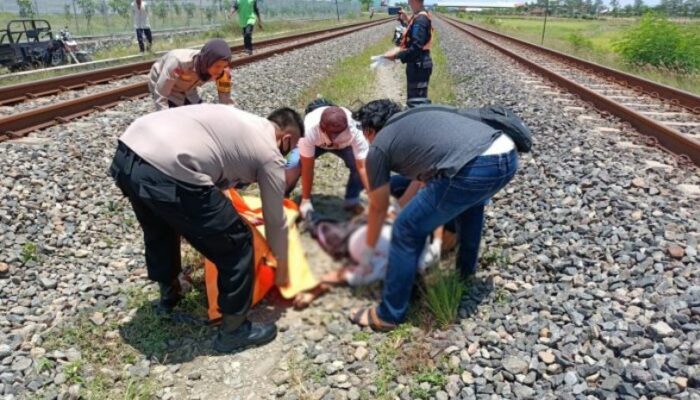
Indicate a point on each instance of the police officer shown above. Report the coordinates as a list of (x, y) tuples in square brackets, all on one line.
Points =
[(414, 51), (175, 77)]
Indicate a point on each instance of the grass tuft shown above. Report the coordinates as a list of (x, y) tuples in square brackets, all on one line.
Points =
[(443, 293)]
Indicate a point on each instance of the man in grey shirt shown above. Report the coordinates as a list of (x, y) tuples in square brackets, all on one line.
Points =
[(173, 165), (460, 162)]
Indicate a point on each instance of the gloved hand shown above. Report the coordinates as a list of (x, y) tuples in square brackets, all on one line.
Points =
[(306, 207), (436, 249), (365, 261), (379, 61), (431, 256)]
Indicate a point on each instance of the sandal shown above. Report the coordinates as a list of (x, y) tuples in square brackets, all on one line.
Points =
[(368, 317)]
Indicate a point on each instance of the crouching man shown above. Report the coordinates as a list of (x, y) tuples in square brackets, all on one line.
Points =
[(173, 166), (462, 163)]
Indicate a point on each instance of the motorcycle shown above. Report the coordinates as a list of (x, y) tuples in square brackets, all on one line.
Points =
[(65, 50)]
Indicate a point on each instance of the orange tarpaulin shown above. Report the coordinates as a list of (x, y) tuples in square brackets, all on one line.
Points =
[(300, 276)]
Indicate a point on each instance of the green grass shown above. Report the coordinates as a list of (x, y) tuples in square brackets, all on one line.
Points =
[(561, 35), (388, 352), (361, 336), (349, 82), (442, 294), (441, 89), (30, 252), (145, 335), (114, 24)]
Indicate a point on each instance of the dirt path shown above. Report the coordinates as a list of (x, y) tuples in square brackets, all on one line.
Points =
[(390, 83), (257, 373)]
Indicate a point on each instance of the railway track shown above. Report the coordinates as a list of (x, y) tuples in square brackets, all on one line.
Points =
[(20, 124), (670, 117), (14, 94)]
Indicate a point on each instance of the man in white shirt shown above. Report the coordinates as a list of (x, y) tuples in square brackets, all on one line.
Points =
[(330, 130), (141, 24)]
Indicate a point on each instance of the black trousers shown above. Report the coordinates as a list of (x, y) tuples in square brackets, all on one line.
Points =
[(417, 78), (248, 37), (187, 103), (139, 36), (167, 209)]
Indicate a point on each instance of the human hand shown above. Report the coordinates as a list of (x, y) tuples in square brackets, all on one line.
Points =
[(391, 54), (306, 207)]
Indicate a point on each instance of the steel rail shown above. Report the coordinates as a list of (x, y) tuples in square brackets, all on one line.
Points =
[(671, 139), (19, 125), (655, 89), (15, 94)]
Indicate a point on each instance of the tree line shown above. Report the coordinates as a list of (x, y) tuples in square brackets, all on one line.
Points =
[(593, 8)]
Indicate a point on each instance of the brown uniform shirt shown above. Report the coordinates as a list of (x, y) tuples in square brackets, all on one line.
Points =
[(217, 145), (173, 78)]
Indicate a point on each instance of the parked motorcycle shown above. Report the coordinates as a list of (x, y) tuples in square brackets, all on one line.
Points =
[(65, 50)]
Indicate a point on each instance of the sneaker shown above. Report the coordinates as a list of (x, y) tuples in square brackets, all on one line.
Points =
[(247, 335)]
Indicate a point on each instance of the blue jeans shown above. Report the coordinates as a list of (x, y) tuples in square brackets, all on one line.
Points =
[(353, 188), (398, 185), (462, 198)]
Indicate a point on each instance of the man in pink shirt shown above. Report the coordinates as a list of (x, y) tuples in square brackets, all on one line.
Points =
[(329, 129)]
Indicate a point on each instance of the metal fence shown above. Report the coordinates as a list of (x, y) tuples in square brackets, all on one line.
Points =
[(94, 17)]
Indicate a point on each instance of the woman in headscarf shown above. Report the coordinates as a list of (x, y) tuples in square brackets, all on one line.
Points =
[(175, 77)]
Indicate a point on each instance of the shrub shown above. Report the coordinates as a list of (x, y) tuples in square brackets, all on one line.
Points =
[(578, 41), (491, 21), (658, 42)]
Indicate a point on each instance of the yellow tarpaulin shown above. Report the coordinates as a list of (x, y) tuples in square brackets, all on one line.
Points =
[(300, 276)]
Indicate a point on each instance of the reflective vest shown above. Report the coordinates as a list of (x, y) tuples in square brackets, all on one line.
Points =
[(223, 83), (404, 40)]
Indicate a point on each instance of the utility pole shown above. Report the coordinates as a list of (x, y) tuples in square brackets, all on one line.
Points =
[(337, 12), (75, 16), (544, 25)]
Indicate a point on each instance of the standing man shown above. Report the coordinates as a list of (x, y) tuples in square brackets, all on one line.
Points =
[(141, 24), (414, 51), (173, 166), (330, 129), (462, 163), (248, 15)]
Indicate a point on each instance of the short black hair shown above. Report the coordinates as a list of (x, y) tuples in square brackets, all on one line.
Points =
[(286, 117), (374, 114)]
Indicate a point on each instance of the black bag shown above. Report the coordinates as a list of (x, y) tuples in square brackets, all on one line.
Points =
[(318, 103), (505, 120), (497, 117)]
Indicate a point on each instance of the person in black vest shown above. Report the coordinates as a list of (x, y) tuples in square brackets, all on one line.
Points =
[(414, 51)]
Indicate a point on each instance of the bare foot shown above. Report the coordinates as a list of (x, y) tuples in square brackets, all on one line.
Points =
[(336, 277), (305, 298)]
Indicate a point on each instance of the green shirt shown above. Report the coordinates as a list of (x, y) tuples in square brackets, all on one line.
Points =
[(247, 10)]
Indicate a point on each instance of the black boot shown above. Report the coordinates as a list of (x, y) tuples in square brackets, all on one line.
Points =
[(170, 295), (237, 334)]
